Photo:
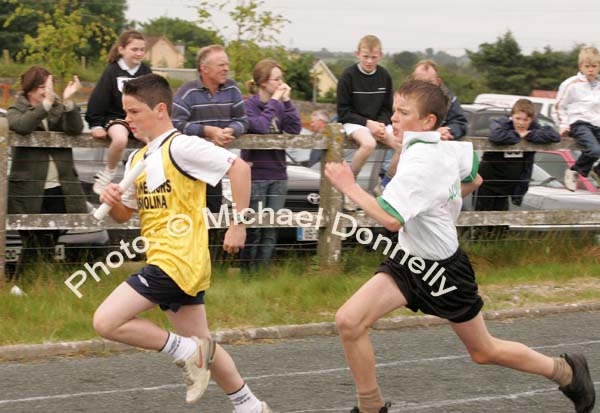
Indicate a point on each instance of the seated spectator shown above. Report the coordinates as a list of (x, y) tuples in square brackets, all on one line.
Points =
[(43, 180), (318, 121), (507, 174), (579, 116), (105, 113), (364, 104), (269, 110)]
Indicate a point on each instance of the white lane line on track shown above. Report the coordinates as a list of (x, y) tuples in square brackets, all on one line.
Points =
[(89, 393), (276, 375), (406, 407)]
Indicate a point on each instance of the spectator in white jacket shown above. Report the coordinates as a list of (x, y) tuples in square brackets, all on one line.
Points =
[(578, 109)]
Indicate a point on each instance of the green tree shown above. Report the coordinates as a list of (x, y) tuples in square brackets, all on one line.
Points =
[(60, 37), (503, 66), (297, 74), (182, 31), (15, 25), (552, 67), (253, 29), (466, 86), (109, 14), (405, 60)]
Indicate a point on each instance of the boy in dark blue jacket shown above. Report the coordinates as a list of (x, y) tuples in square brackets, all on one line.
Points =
[(507, 174)]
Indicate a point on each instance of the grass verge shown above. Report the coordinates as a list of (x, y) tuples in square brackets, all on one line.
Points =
[(517, 273)]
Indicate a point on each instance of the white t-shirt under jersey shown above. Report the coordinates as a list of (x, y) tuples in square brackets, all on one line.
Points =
[(195, 156), (425, 193)]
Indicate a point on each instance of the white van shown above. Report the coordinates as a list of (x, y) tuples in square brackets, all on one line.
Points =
[(545, 106)]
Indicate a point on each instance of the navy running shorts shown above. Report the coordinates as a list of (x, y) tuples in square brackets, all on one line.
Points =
[(155, 285)]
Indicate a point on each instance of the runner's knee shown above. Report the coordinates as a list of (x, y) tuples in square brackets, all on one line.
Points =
[(483, 356), (347, 325), (102, 324)]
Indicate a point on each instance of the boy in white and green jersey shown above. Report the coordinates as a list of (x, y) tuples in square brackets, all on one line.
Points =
[(422, 203)]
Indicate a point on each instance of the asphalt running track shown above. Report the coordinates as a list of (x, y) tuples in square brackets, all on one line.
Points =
[(420, 370)]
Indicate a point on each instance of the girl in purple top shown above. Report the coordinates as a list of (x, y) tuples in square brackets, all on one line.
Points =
[(269, 111)]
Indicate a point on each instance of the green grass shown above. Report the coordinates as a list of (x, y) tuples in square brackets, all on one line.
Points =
[(510, 274)]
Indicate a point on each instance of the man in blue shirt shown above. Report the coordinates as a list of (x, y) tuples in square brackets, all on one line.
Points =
[(211, 107)]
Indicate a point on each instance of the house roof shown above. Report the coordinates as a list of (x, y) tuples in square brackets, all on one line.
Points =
[(152, 40), (325, 68)]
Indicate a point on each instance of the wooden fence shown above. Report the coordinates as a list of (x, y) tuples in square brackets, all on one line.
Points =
[(333, 141)]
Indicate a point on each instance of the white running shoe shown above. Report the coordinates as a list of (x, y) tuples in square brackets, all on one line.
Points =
[(264, 408), (196, 374), (571, 179), (102, 179)]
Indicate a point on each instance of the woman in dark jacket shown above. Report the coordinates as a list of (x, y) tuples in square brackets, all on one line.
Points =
[(43, 180)]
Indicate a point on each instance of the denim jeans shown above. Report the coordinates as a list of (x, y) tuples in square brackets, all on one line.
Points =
[(588, 137), (260, 242)]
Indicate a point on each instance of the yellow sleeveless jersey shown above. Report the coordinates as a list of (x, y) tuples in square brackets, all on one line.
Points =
[(172, 222)]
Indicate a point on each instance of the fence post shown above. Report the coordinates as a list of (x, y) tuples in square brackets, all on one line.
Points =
[(330, 246), (3, 194)]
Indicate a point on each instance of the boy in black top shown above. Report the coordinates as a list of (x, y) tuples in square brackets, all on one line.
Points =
[(364, 101)]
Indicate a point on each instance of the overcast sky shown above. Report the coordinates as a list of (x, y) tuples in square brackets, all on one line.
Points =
[(449, 25)]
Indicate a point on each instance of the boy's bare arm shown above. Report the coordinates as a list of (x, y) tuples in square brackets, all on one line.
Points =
[(239, 177), (469, 187), (112, 196), (342, 178)]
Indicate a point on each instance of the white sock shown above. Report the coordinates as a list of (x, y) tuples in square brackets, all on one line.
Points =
[(179, 347), (244, 401)]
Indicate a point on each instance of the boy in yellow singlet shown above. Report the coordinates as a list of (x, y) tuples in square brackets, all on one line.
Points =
[(170, 196)]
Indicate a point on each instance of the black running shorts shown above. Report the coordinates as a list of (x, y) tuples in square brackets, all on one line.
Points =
[(444, 288), (155, 285)]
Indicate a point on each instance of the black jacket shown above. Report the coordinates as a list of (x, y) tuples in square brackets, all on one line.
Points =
[(502, 132), (455, 118), (105, 103)]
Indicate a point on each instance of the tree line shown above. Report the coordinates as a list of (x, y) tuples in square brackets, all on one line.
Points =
[(60, 32)]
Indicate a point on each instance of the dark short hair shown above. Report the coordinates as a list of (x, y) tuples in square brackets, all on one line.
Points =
[(151, 89), (33, 77), (524, 105), (430, 99)]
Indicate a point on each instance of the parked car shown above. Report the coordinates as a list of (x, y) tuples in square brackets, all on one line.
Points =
[(480, 116), (544, 106), (546, 191), (304, 192)]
